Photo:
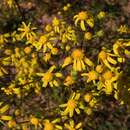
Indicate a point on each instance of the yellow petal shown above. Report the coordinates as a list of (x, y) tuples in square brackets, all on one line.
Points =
[(79, 65), (88, 62), (111, 60), (75, 65), (6, 118), (67, 61), (4, 109), (82, 25)]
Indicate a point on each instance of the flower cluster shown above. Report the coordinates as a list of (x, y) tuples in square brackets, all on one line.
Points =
[(57, 65)]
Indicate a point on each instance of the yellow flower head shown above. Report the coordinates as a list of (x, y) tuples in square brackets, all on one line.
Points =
[(106, 58), (78, 59), (92, 75), (68, 81), (52, 125), (48, 125), (88, 97), (101, 15), (123, 29), (11, 123), (84, 17), (71, 105), (56, 23), (73, 126), (27, 50), (107, 75), (49, 77), (34, 121), (27, 31), (88, 36), (77, 54)]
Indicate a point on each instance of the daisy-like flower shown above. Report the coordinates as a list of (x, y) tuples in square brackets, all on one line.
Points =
[(3, 38), (71, 105), (120, 49), (56, 24), (123, 29), (73, 126), (34, 121), (68, 34), (50, 78), (52, 125), (27, 31), (106, 58), (69, 81), (78, 59), (108, 80), (44, 43), (91, 76), (101, 15), (84, 18)]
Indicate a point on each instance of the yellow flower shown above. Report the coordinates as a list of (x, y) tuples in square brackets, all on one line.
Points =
[(68, 81), (88, 110), (106, 59), (101, 15), (48, 28), (88, 97), (78, 59), (73, 126), (107, 75), (52, 125), (44, 43), (109, 80), (27, 31), (54, 51), (34, 121), (56, 23), (120, 49), (27, 50), (123, 29), (78, 63), (88, 36), (49, 78), (71, 105), (92, 76), (11, 123), (68, 34), (3, 38), (84, 17), (47, 57)]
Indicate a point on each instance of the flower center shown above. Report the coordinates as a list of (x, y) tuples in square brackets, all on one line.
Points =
[(34, 121), (71, 104), (92, 75), (48, 126), (107, 75), (48, 77), (82, 15), (77, 54), (43, 39), (55, 22)]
